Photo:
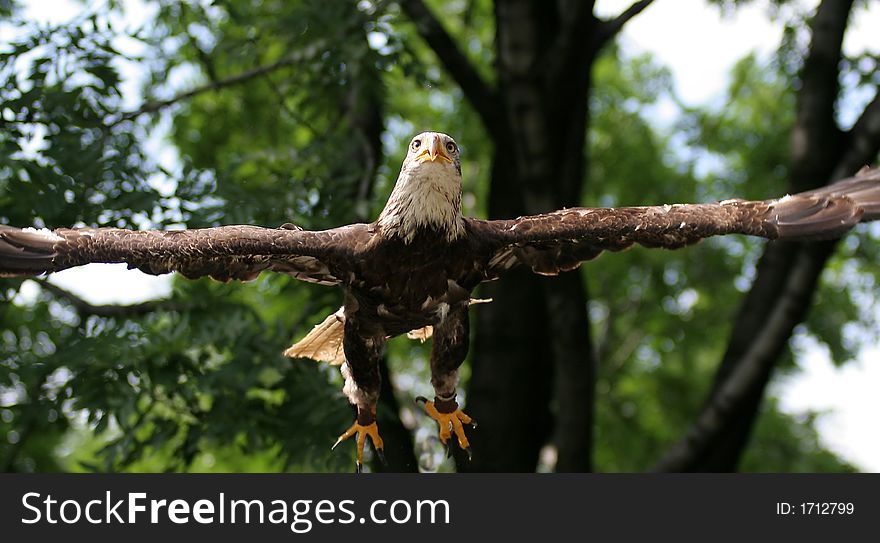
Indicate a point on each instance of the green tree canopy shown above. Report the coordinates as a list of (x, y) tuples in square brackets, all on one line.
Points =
[(299, 112)]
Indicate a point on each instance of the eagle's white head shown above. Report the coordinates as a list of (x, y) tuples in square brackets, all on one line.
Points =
[(428, 190)]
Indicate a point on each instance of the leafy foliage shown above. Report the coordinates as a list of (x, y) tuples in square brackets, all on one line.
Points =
[(662, 318), (198, 382)]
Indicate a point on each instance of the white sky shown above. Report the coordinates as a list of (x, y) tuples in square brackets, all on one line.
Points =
[(700, 48)]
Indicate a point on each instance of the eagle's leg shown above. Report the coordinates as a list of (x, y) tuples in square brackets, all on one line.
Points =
[(365, 425), (447, 354), (362, 381), (450, 418)]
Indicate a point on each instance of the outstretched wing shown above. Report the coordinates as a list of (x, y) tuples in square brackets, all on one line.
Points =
[(224, 253), (561, 240)]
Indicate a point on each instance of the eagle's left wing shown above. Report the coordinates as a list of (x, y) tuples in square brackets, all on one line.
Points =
[(561, 240), (223, 253)]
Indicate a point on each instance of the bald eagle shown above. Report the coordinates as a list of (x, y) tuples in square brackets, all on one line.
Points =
[(412, 271)]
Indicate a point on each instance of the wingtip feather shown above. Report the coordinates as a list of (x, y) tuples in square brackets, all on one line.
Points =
[(829, 212), (26, 251)]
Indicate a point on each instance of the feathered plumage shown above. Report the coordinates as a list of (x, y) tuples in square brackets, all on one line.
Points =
[(415, 267)]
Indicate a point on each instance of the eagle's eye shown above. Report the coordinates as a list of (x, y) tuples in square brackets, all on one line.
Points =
[(450, 147), (416, 144)]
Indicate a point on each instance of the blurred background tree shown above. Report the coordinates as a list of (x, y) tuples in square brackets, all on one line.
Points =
[(299, 111)]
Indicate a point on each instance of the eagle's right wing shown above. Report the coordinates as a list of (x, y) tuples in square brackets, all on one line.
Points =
[(559, 241), (224, 253)]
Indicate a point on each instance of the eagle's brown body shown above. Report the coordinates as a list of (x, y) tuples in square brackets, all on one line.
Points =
[(438, 274), (417, 265)]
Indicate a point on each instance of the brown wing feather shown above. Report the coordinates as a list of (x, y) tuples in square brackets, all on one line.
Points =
[(561, 240), (224, 253)]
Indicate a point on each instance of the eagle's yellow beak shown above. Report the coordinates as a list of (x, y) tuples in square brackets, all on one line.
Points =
[(433, 151)]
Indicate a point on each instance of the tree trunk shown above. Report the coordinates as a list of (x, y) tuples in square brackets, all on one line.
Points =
[(532, 355), (399, 446), (532, 364), (773, 306)]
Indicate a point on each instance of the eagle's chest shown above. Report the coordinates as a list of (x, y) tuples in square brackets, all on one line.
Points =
[(412, 284)]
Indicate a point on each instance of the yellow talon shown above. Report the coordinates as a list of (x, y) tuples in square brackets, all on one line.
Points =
[(362, 432), (450, 422)]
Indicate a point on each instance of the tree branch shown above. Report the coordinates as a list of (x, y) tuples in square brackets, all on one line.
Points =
[(612, 27), (582, 37), (752, 367), (816, 142), (86, 309), (864, 140), (482, 97), (157, 105), (788, 274)]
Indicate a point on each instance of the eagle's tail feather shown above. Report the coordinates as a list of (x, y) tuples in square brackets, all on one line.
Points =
[(27, 251), (323, 343)]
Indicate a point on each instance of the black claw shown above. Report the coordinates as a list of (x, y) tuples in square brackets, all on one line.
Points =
[(381, 454), (473, 423), (448, 450), (421, 399), (469, 453), (358, 467)]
